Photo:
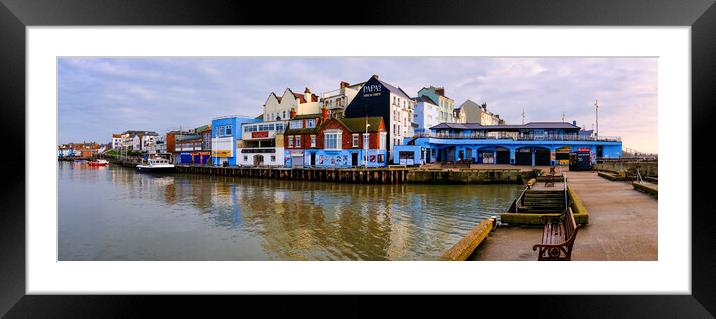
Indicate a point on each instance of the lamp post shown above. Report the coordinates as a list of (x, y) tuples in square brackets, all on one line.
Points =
[(596, 112), (365, 145)]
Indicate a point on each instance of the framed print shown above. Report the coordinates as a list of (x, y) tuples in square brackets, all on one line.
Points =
[(206, 149)]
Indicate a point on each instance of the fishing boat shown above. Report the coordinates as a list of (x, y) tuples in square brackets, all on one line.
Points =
[(156, 165), (99, 162)]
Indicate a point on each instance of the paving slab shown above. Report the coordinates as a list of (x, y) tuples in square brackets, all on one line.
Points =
[(622, 226)]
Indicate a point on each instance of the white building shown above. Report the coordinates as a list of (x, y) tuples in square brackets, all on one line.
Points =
[(116, 141), (148, 142), (261, 144), (446, 104), (278, 108), (337, 100), (427, 114), (138, 140)]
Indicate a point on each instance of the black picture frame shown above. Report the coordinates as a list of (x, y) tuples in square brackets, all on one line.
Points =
[(16, 15)]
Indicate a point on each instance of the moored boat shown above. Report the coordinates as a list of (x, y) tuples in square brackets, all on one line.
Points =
[(99, 162), (156, 165)]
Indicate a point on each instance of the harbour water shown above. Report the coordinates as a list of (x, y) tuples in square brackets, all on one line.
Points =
[(114, 213)]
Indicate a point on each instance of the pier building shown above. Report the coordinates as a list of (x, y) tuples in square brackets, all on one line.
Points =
[(535, 143)]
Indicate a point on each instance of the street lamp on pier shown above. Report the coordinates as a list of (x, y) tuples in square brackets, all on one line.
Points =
[(365, 143)]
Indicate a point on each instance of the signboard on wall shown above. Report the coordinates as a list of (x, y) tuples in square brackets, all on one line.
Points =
[(372, 90), (219, 153), (262, 134)]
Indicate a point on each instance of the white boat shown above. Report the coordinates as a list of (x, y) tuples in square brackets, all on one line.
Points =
[(156, 165)]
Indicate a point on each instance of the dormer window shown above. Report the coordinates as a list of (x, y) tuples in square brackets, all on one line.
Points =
[(296, 124), (310, 123)]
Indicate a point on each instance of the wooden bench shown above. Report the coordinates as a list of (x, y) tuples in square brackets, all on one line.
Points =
[(549, 182), (558, 237)]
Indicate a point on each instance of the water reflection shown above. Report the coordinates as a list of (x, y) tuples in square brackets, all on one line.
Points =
[(132, 216)]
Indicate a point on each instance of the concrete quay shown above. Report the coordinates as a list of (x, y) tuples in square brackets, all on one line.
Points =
[(622, 226), (382, 175)]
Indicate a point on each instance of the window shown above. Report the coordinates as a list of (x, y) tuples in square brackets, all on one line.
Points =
[(382, 140), (332, 141), (246, 158), (296, 124), (355, 140), (290, 141), (311, 123), (298, 140), (313, 141), (366, 140), (284, 114), (273, 158), (380, 158), (228, 130)]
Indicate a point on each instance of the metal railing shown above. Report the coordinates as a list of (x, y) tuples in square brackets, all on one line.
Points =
[(518, 137)]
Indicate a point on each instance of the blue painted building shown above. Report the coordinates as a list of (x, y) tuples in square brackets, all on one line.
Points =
[(225, 132), (536, 143)]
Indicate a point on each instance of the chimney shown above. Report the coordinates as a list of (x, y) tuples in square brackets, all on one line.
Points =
[(307, 95), (574, 123), (324, 113), (440, 91), (293, 113), (344, 84), (375, 76)]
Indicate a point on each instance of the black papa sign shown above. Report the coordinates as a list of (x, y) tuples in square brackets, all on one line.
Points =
[(372, 90)]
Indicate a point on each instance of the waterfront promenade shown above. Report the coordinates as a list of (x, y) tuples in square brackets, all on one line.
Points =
[(622, 226)]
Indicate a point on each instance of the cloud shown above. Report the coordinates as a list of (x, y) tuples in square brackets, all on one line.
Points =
[(99, 96)]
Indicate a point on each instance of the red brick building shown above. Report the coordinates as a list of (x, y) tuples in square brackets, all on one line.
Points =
[(315, 140)]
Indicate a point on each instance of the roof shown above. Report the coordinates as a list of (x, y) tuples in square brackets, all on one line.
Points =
[(437, 91), (203, 128), (260, 117), (180, 138), (302, 98), (357, 124), (307, 116), (354, 125), (289, 130), (470, 103), (394, 90), (531, 125), (133, 133), (424, 98)]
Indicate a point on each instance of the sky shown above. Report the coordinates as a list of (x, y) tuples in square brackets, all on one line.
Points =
[(101, 96)]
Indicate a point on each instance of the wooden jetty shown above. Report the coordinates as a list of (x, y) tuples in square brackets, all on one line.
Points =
[(371, 175)]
